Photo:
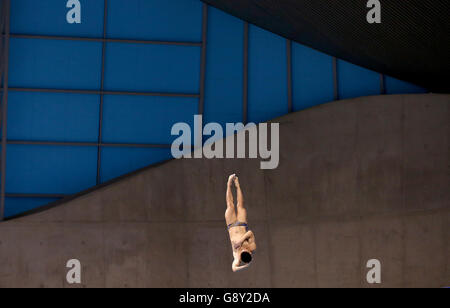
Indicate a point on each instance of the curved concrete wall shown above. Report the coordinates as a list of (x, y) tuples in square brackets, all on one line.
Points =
[(358, 179)]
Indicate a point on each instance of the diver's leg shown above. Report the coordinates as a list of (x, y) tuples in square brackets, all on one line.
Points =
[(241, 211), (230, 213)]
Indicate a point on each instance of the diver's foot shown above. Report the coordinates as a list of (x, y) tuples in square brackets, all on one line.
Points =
[(231, 178), (236, 181)]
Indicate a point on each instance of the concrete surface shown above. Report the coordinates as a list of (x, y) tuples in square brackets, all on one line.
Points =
[(359, 179)]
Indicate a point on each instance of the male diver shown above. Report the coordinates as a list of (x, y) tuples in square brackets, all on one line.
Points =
[(242, 240)]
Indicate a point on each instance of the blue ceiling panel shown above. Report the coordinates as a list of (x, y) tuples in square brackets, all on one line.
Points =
[(174, 20), (395, 86), (17, 206), (268, 91), (152, 68), (56, 64), (224, 66), (50, 169), (356, 81), (64, 117), (48, 17), (312, 77), (120, 161), (144, 119)]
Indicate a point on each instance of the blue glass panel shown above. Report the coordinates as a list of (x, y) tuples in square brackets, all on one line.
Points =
[(356, 81), (39, 63), (50, 169), (174, 20), (312, 77), (48, 17), (224, 83), (16, 206), (53, 117), (120, 161), (152, 68), (395, 86), (143, 119), (267, 76)]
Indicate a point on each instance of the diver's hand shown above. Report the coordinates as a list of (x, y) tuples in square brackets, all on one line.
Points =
[(244, 238), (236, 268), (237, 245)]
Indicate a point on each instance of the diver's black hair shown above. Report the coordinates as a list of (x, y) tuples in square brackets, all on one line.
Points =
[(246, 257)]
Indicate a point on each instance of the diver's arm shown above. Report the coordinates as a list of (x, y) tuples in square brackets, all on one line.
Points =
[(246, 236), (236, 267), (252, 243)]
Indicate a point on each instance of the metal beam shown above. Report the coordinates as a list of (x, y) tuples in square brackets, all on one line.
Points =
[(136, 145), (245, 75), (100, 120), (51, 143), (335, 79), (43, 196), (2, 16), (100, 92), (382, 84), (4, 109), (2, 29), (103, 40), (201, 106), (89, 144)]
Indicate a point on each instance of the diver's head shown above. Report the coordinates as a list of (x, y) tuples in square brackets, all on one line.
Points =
[(246, 256)]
